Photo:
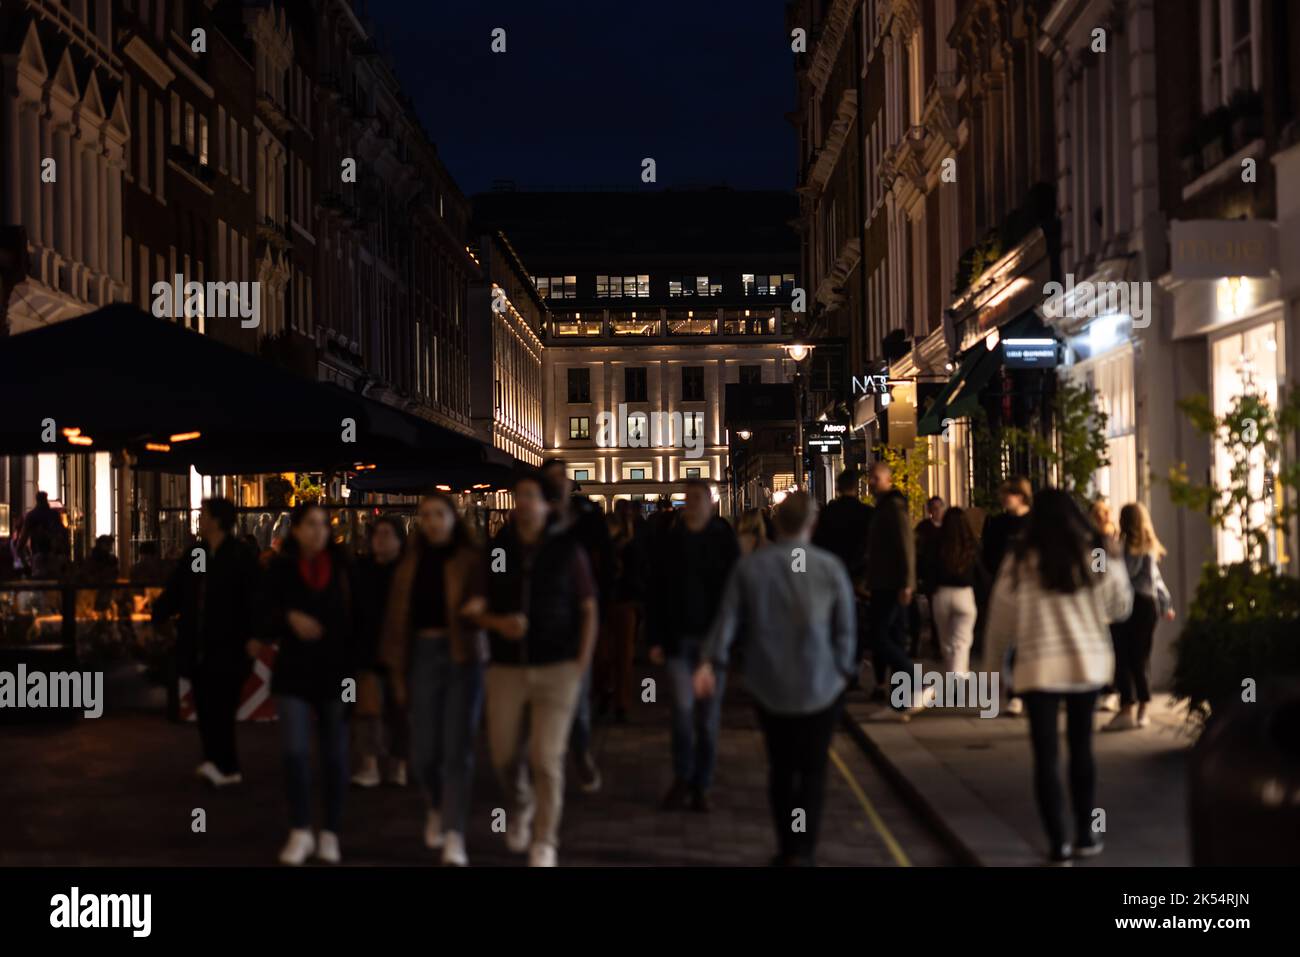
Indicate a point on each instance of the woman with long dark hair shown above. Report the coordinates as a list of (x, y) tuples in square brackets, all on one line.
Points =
[(958, 571), (1054, 598), (1151, 602), (436, 659), (309, 599), (379, 724)]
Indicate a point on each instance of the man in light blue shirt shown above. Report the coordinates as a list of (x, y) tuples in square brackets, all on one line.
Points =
[(792, 605)]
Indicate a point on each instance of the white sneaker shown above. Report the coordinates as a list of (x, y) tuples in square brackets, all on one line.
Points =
[(542, 855), (1144, 719), (453, 851), (367, 777), (433, 830), (212, 774), (298, 848), (397, 774), (519, 831), (1121, 722), (1108, 702), (327, 849), (1014, 707)]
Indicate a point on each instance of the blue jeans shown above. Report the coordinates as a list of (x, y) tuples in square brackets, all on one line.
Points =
[(696, 722), (580, 733), (446, 701), (295, 716)]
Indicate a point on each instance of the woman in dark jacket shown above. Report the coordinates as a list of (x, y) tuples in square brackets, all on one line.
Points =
[(310, 618)]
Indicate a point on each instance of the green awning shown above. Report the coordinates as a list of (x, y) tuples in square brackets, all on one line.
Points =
[(960, 397)]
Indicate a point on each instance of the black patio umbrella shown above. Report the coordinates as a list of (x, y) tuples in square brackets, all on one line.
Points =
[(119, 379)]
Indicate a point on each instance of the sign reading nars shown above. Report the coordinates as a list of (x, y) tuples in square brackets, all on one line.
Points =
[(1029, 353), (1215, 248), (870, 384)]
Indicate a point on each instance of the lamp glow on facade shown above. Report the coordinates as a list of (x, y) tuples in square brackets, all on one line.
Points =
[(743, 434), (185, 436), (798, 351)]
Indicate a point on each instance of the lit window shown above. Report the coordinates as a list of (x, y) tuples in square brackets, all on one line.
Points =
[(747, 283), (636, 426), (581, 475), (637, 475), (693, 424), (579, 427), (693, 473)]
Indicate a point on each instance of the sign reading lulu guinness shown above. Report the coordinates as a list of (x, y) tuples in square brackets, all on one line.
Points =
[(825, 437), (1029, 353)]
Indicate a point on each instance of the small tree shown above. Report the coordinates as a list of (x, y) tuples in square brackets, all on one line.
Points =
[(1251, 435), (909, 468), (1077, 447)]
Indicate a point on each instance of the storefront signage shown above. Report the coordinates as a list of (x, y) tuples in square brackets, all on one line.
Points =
[(1029, 353), (826, 437), (1215, 248), (870, 384)]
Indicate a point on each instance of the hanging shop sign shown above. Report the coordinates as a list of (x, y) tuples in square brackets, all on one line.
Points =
[(826, 437), (1030, 353), (1215, 248)]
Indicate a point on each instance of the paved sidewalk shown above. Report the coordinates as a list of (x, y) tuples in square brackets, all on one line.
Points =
[(972, 778)]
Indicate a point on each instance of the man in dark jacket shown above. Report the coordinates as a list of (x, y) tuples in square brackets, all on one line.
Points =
[(842, 526), (214, 591), (891, 574), (694, 559), (541, 616)]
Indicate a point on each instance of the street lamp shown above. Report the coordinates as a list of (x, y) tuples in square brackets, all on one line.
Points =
[(798, 350)]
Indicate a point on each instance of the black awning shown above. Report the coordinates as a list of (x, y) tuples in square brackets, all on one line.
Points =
[(487, 476), (127, 381)]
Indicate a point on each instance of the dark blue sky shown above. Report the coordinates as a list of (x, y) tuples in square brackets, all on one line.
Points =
[(587, 88)]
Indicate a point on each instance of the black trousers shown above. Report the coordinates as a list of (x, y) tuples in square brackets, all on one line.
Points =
[(216, 701), (1043, 709), (798, 751), (1133, 640)]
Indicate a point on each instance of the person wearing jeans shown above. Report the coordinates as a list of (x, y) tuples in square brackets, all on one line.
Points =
[(691, 565), (310, 618), (435, 659), (540, 611), (957, 572), (295, 716), (891, 578), (791, 605), (1051, 606)]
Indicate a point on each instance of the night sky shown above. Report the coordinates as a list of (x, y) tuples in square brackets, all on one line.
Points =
[(587, 88)]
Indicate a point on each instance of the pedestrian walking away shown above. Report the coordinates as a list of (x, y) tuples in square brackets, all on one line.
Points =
[(1134, 635), (958, 574), (692, 568), (540, 612), (436, 660), (585, 519), (1053, 609), (310, 618), (214, 591), (378, 722), (791, 606), (1001, 532)]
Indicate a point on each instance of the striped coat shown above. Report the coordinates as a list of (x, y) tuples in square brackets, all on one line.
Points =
[(1062, 642)]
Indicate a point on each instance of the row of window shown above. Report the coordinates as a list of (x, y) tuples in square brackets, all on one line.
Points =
[(639, 475), (638, 427), (638, 286), (635, 384)]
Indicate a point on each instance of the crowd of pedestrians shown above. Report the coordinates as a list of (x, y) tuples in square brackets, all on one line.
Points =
[(395, 660)]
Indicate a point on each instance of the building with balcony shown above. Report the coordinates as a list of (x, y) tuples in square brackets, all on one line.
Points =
[(655, 302)]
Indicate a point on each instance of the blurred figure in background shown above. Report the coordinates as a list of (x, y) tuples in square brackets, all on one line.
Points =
[(697, 555), (379, 722), (1100, 514), (927, 566), (582, 517), (791, 605), (216, 602), (751, 532), (891, 579), (310, 619), (1151, 602), (1053, 609), (541, 615), (958, 572), (842, 527), (623, 611), (436, 662), (1001, 532)]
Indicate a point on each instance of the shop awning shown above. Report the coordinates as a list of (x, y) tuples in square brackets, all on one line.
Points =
[(960, 397), (496, 473), (119, 379)]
